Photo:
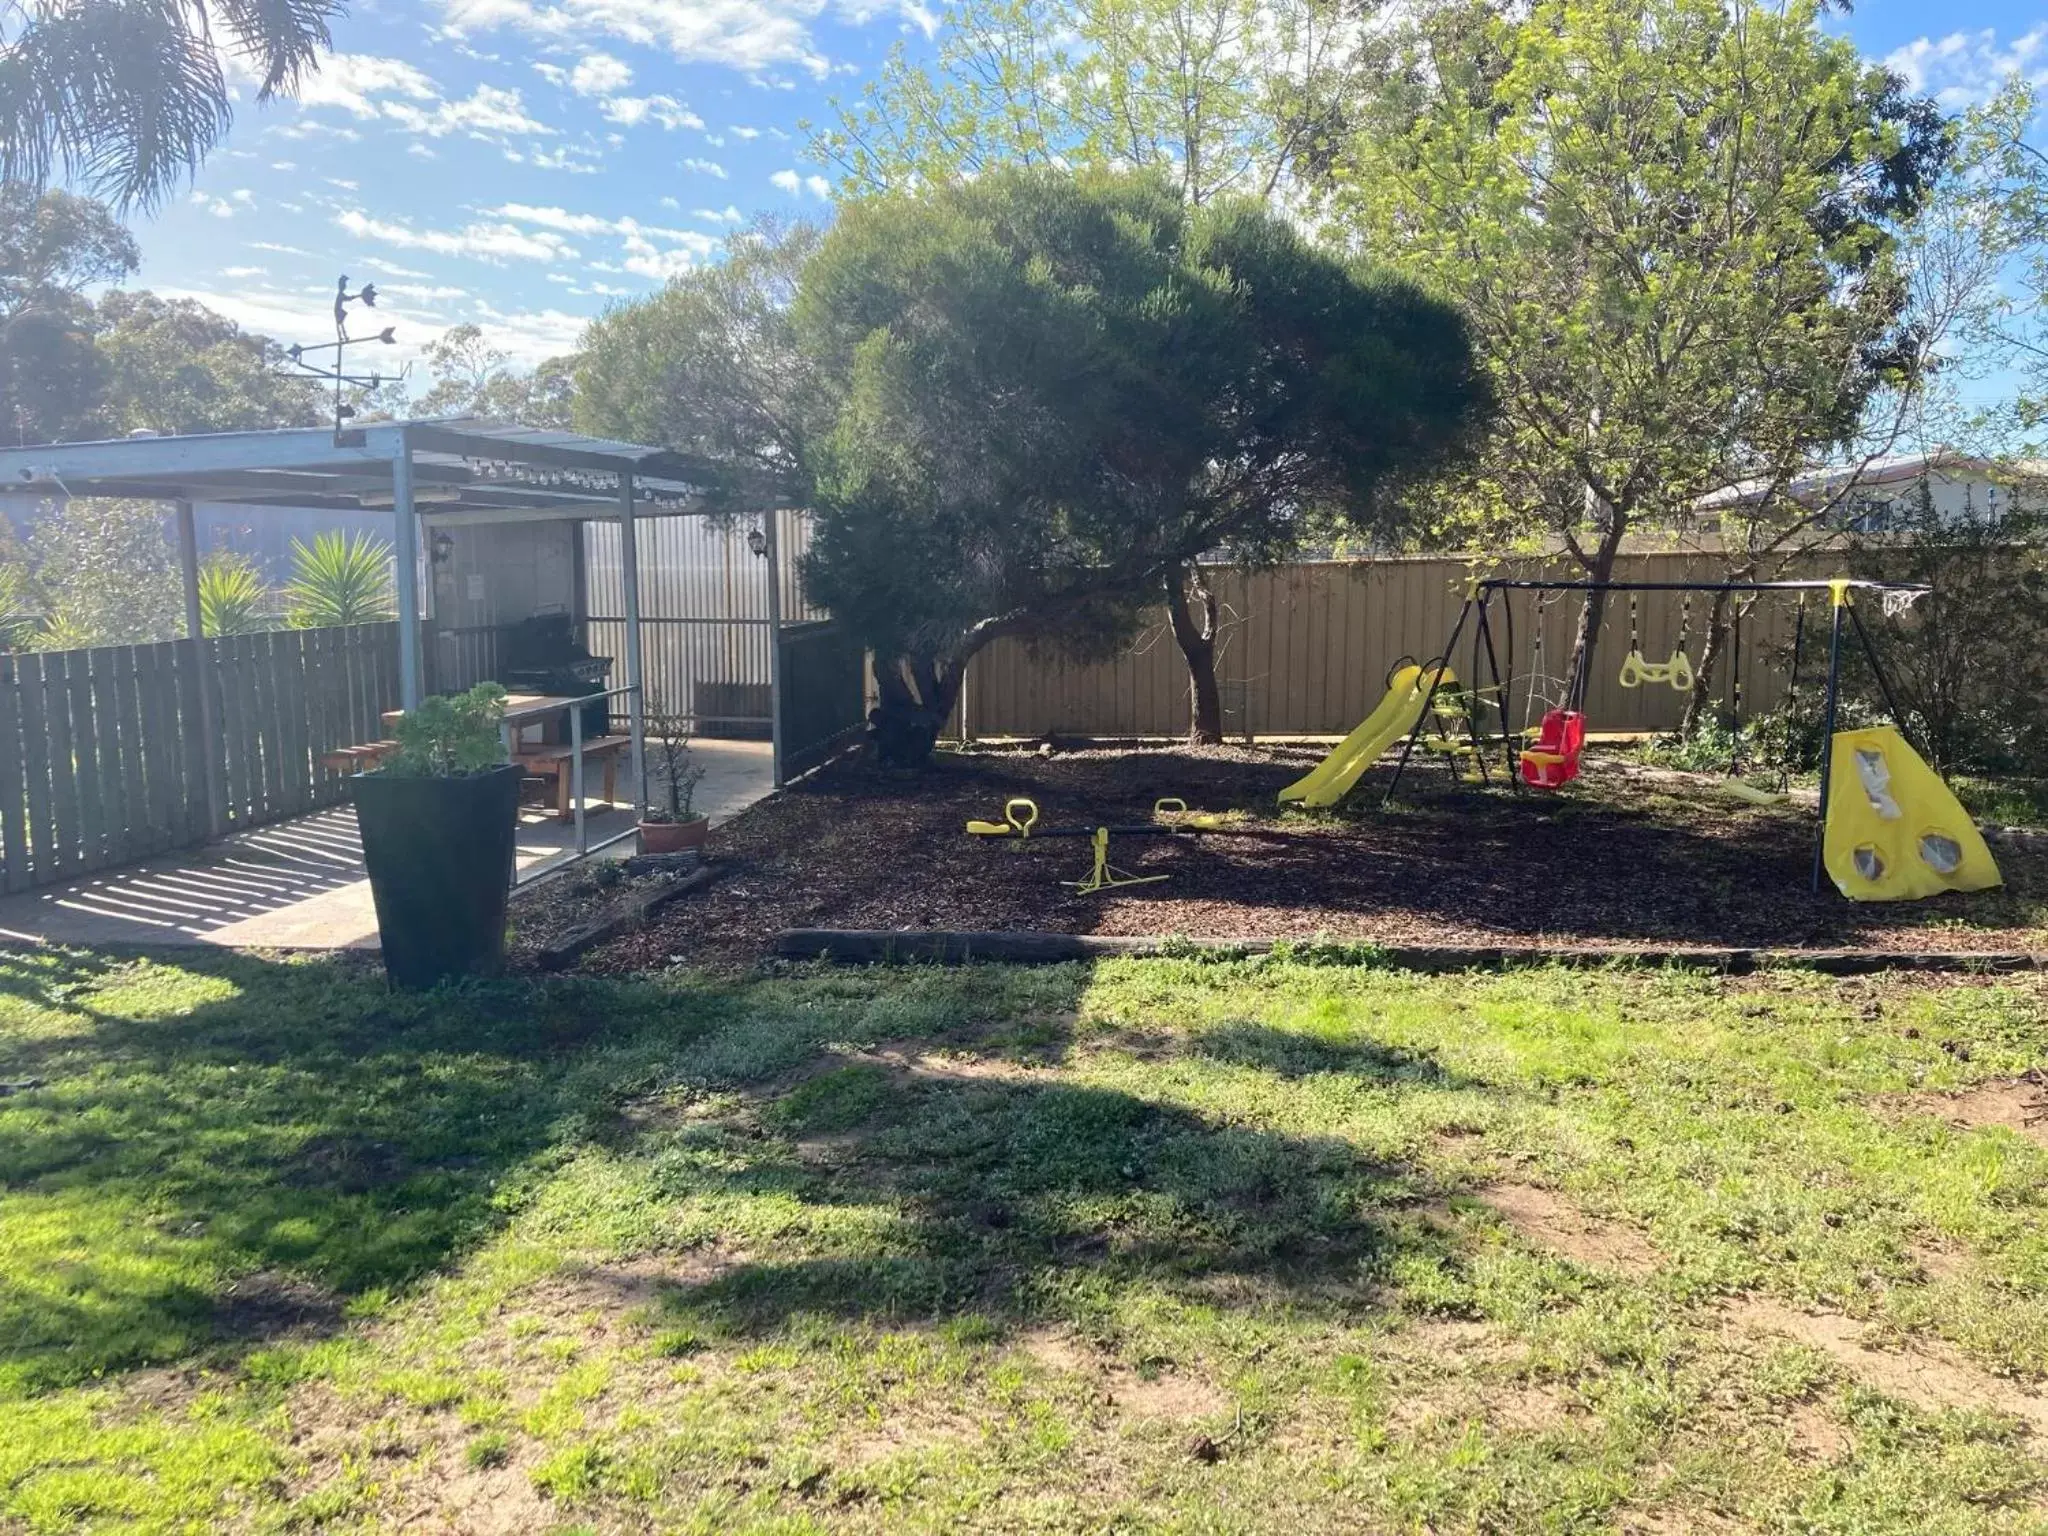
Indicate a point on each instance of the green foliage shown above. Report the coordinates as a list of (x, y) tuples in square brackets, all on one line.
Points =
[(710, 365), (173, 365), (445, 737), (1968, 663), (1673, 227), (106, 567), (673, 768), (53, 247), (1226, 97), (1051, 391), (340, 579), (232, 597), (473, 378)]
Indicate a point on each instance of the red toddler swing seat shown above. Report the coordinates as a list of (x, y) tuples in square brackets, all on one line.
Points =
[(1551, 761)]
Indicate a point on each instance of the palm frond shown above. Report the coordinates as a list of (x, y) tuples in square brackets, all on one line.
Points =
[(126, 97), (340, 579), (232, 597)]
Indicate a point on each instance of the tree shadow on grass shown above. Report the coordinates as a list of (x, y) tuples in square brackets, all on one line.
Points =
[(223, 1148), (1019, 1198)]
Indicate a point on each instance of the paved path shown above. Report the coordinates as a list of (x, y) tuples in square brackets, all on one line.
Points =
[(299, 884)]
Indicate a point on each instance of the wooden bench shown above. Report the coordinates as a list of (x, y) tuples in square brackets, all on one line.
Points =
[(560, 761), (358, 759)]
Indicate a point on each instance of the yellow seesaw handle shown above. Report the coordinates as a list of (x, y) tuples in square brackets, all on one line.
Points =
[(989, 829), (1174, 812)]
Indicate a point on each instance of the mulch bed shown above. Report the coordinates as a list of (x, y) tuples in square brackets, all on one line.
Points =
[(1629, 858)]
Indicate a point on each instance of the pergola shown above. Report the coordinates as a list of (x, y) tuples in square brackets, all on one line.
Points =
[(461, 471)]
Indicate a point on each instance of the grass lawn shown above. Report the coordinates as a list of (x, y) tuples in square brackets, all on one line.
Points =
[(1155, 1245)]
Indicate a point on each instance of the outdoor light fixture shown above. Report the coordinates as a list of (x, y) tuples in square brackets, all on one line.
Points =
[(757, 541), (444, 548)]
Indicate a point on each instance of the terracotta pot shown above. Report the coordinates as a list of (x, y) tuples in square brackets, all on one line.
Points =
[(673, 836)]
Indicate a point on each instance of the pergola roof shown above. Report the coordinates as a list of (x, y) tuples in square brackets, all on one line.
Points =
[(464, 469)]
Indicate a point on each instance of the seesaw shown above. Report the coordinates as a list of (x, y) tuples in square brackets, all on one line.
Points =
[(1170, 818)]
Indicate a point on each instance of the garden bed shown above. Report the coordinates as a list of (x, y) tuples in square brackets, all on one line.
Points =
[(1630, 858)]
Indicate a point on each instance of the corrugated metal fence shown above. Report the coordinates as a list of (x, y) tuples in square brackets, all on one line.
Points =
[(104, 758), (703, 613), (1307, 649)]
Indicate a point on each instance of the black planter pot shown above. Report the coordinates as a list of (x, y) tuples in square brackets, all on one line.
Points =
[(440, 858)]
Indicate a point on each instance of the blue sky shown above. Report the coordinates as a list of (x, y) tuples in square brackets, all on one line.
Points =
[(523, 163)]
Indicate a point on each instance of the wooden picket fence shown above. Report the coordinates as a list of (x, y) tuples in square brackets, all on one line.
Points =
[(107, 755)]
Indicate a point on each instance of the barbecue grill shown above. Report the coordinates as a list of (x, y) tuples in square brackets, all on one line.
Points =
[(542, 655)]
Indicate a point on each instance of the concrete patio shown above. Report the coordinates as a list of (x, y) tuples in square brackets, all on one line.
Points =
[(299, 884)]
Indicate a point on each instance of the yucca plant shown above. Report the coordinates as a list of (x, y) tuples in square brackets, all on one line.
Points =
[(341, 579), (232, 597)]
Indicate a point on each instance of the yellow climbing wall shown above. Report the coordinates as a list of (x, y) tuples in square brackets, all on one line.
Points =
[(1895, 831)]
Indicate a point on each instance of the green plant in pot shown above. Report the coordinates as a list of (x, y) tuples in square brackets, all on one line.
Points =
[(439, 824), (672, 823)]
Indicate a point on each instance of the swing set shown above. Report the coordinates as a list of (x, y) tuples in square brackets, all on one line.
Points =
[(1903, 835)]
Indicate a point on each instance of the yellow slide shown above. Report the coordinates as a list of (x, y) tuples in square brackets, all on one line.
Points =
[(1394, 717), (1895, 832)]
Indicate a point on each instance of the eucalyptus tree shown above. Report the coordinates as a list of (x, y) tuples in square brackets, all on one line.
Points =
[(1673, 226)]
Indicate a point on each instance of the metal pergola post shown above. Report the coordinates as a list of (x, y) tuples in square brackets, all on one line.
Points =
[(629, 583), (406, 578), (773, 550)]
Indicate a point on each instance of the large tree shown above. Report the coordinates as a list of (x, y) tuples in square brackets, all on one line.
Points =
[(1224, 98), (473, 377), (173, 365), (1672, 224), (126, 97), (1052, 392), (53, 247), (710, 365)]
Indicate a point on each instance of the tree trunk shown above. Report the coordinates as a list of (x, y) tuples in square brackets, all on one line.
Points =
[(1191, 606), (1701, 703), (1594, 613), (916, 694)]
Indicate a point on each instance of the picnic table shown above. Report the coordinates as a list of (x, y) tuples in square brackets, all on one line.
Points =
[(553, 755)]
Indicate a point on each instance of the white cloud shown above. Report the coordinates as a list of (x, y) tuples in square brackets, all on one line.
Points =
[(747, 35), (647, 250), (426, 293), (488, 110), (1967, 68), (627, 111), (282, 250), (219, 207), (554, 74), (244, 271), (599, 74), (745, 134), (478, 242), (726, 215), (795, 184), (284, 165), (555, 218), (344, 184), (576, 160), (705, 167), (350, 81)]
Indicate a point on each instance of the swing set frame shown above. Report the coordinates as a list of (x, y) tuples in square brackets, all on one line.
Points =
[(1480, 593)]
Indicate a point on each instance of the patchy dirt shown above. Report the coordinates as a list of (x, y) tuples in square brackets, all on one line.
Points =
[(1162, 1393), (1622, 859), (2018, 1104), (1925, 1374), (1551, 1222)]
